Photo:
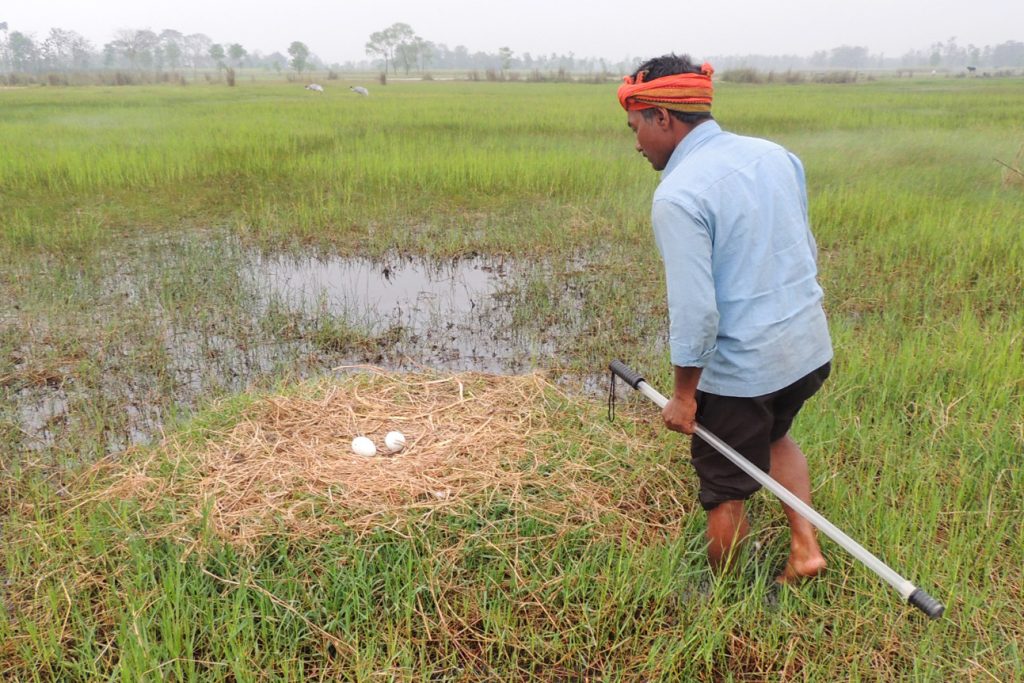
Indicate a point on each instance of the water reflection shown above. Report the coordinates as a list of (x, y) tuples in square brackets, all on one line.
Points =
[(451, 315), (416, 290)]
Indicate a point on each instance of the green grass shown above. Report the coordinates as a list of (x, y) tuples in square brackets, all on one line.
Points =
[(127, 216), (280, 159)]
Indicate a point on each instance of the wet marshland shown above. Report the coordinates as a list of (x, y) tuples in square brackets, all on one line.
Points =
[(102, 349)]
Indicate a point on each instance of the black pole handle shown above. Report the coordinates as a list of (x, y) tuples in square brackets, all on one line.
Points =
[(926, 603), (628, 376)]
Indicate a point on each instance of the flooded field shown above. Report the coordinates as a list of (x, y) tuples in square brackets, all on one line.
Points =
[(452, 315), (101, 351)]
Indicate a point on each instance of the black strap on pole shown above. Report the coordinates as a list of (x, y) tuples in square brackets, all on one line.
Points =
[(611, 397), (619, 369)]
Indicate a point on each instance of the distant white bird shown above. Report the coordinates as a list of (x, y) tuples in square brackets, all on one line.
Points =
[(315, 86), (360, 90)]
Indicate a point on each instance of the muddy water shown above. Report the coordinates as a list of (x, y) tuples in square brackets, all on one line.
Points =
[(170, 323)]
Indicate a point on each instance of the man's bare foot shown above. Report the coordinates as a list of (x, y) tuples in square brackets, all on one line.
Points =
[(800, 570)]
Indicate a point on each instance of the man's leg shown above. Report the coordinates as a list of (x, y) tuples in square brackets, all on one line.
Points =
[(727, 529), (789, 468)]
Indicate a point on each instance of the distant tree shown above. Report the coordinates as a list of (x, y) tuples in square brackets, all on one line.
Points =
[(64, 50), (1010, 53), (380, 46), (82, 53), (275, 61), (237, 53), (848, 57), (299, 54), (147, 42), (953, 54), (24, 54), (172, 55), (4, 58), (973, 55), (505, 54), (109, 55), (135, 46), (216, 53), (986, 55), (425, 52), (171, 43), (197, 47), (407, 54), (397, 40)]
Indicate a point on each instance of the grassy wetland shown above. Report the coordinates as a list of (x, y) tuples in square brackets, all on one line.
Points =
[(177, 499)]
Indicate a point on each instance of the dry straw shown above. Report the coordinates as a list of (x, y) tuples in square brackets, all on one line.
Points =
[(287, 465)]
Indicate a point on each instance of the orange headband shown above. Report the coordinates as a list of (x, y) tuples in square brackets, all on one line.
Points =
[(681, 92)]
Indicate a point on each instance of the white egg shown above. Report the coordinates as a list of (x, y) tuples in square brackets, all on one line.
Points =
[(363, 446), (395, 441)]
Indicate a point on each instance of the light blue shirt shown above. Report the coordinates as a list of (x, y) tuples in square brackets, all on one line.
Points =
[(730, 220)]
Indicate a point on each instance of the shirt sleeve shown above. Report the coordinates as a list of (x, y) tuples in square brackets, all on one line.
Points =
[(685, 245)]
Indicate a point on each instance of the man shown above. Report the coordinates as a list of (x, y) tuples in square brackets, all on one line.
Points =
[(747, 332)]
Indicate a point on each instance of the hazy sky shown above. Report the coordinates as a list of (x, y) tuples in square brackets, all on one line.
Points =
[(337, 30)]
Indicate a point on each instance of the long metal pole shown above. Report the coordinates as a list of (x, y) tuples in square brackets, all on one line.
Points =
[(908, 591)]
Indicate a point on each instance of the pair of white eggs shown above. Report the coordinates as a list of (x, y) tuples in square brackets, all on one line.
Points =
[(362, 445)]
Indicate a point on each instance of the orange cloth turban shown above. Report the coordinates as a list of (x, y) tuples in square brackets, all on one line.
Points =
[(680, 92)]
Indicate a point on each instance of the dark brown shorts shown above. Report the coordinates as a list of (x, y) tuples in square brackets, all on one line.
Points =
[(749, 425)]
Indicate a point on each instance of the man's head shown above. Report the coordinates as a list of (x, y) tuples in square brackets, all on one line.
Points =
[(671, 65), (665, 98)]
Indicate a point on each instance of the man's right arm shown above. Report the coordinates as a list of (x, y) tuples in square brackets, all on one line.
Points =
[(685, 246)]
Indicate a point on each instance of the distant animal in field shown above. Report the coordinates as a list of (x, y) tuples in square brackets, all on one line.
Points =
[(316, 87), (360, 90)]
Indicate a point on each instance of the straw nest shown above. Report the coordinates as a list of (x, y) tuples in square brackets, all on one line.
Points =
[(287, 465)]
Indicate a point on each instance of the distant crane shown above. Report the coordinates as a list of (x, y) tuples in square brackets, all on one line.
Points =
[(315, 87), (360, 90)]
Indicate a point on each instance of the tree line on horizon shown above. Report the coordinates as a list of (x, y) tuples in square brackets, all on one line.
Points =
[(139, 50), (399, 47)]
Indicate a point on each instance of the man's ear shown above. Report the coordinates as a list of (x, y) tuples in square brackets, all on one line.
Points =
[(662, 118)]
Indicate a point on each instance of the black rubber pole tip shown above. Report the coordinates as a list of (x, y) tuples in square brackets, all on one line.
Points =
[(631, 378), (926, 603)]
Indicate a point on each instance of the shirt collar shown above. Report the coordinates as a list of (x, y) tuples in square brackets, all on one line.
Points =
[(695, 138)]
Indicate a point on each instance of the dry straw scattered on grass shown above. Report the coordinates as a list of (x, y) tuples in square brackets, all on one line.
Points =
[(287, 465)]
